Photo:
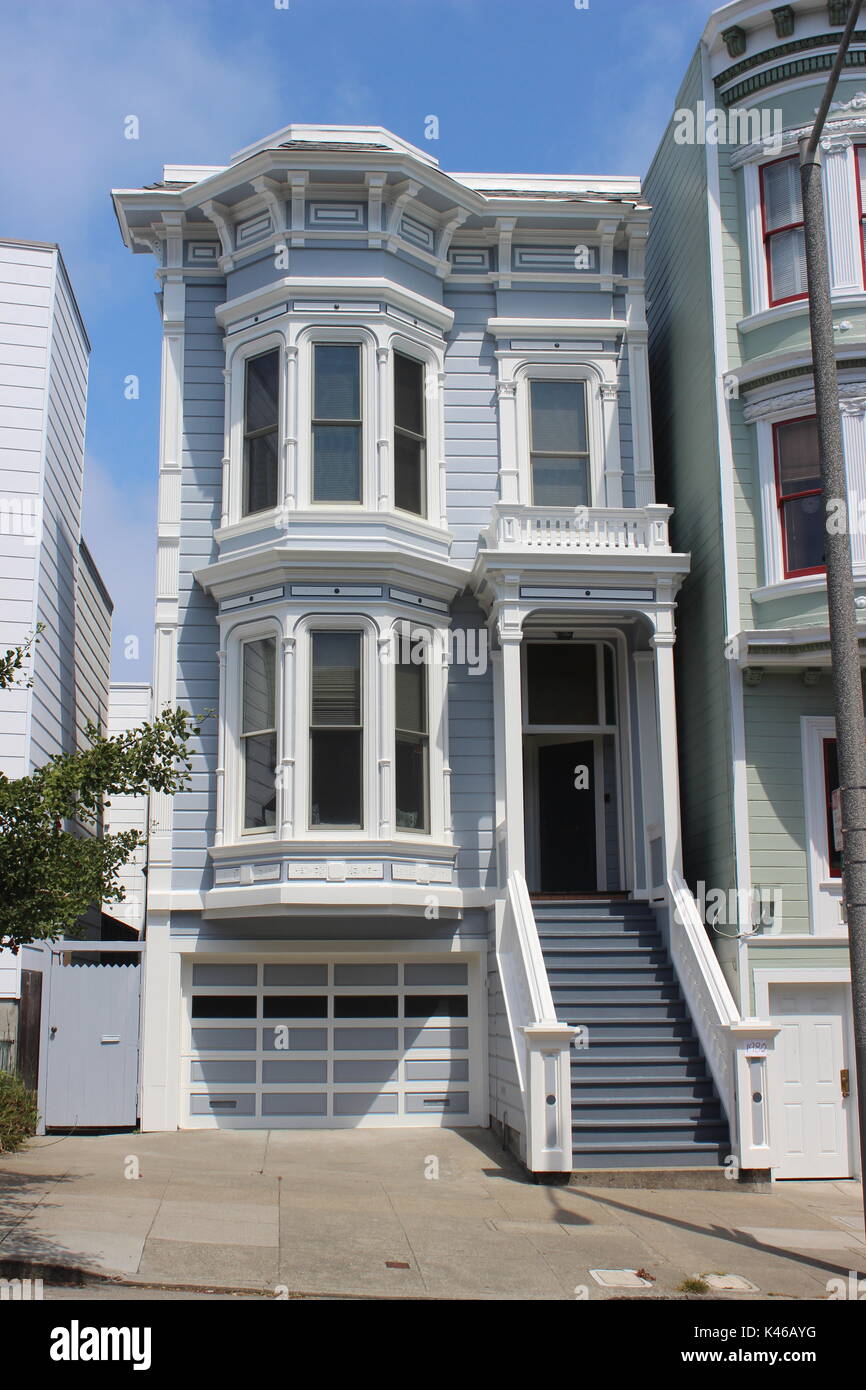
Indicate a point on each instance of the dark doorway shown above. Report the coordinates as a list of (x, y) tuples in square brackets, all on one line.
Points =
[(566, 818)]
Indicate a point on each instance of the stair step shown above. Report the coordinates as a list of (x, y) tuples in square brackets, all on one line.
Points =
[(649, 1156), (601, 992), (682, 1131), (632, 1015), (617, 1070), (581, 957), (690, 1115), (619, 973), (640, 931), (588, 1089)]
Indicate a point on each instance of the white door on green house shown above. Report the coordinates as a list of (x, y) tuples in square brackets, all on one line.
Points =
[(810, 1111)]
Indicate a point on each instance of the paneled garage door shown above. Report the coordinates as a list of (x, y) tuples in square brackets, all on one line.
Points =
[(328, 1043)]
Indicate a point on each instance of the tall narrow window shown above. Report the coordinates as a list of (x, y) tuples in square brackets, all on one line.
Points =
[(337, 423), (336, 730), (559, 447), (412, 753), (410, 444), (259, 733), (798, 482), (784, 239), (261, 414)]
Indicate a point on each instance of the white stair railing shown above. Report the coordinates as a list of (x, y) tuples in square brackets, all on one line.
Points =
[(541, 1044), (709, 999)]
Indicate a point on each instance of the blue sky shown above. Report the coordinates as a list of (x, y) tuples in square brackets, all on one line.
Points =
[(518, 85)]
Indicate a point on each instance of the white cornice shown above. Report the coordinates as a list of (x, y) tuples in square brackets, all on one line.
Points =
[(852, 398), (340, 288), (558, 328)]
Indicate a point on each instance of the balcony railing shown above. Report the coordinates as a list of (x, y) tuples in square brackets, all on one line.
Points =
[(585, 530)]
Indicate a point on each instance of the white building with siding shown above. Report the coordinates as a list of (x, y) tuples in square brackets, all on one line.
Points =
[(47, 575)]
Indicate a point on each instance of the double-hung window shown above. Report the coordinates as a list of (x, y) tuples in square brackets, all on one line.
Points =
[(784, 239), (412, 752), (336, 730), (559, 447), (410, 442), (261, 433), (337, 448), (259, 733), (798, 490)]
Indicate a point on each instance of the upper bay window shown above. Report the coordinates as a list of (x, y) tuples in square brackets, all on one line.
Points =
[(559, 448), (259, 733), (261, 433), (336, 730), (798, 487), (337, 422), (784, 238), (410, 436)]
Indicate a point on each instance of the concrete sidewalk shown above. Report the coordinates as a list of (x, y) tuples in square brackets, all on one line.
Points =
[(400, 1213)]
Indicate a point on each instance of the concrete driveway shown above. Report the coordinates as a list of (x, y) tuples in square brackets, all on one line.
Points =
[(398, 1213)]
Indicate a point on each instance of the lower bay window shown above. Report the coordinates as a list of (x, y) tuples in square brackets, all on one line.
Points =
[(363, 756), (336, 730), (259, 733), (412, 747)]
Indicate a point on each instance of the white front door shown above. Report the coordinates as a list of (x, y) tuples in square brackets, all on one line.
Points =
[(809, 1111)]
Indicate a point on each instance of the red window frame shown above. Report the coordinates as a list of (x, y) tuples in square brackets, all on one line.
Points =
[(783, 498), (768, 236), (834, 857), (861, 212)]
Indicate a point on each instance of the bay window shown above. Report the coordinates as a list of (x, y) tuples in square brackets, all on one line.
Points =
[(336, 730), (412, 747), (337, 449), (261, 432), (259, 733), (784, 238), (410, 444), (798, 490), (559, 448)]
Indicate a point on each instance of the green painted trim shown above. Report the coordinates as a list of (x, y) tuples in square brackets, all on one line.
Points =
[(801, 67), (794, 373), (783, 50)]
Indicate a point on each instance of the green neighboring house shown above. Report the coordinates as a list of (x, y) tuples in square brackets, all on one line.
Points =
[(736, 456)]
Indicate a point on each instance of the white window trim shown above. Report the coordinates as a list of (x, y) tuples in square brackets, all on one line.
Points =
[(371, 697), (309, 339), (825, 892), (233, 463), (434, 424), (602, 425), (236, 639), (776, 583), (839, 175), (439, 771)]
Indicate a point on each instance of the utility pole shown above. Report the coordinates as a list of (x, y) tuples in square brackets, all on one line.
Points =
[(844, 645)]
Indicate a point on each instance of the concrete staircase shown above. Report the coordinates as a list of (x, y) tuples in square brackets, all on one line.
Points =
[(642, 1096)]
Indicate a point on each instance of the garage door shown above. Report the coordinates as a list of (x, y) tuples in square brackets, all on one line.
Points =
[(328, 1043)]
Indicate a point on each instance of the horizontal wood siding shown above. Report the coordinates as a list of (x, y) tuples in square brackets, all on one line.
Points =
[(198, 636), (687, 466)]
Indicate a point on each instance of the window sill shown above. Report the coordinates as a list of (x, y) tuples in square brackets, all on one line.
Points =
[(793, 307), (802, 584)]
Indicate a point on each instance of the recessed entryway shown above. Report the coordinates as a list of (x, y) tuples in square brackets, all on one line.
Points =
[(571, 766)]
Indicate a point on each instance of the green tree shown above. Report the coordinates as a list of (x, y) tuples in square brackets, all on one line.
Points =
[(54, 863)]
